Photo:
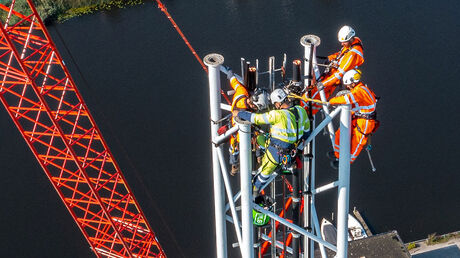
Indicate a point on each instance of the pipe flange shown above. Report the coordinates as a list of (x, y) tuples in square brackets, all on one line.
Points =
[(213, 59), (310, 39), (241, 121)]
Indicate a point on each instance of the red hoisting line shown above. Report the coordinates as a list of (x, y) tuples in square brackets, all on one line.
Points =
[(165, 11)]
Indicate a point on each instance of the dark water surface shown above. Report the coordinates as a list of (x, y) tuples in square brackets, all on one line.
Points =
[(149, 96)]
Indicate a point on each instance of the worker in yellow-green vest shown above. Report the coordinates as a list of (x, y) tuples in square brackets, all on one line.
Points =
[(290, 126)]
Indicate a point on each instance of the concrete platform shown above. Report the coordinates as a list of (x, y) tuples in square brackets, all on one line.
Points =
[(449, 249), (387, 245)]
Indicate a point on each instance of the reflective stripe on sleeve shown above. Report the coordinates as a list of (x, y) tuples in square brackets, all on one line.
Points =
[(265, 117), (368, 93), (353, 100), (357, 52)]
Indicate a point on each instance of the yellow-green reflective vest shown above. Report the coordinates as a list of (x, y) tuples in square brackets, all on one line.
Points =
[(283, 123)]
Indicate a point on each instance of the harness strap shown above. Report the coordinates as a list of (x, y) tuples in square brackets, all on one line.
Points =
[(346, 51), (371, 116), (297, 116)]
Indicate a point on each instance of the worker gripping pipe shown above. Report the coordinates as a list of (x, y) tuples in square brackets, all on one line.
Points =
[(310, 42)]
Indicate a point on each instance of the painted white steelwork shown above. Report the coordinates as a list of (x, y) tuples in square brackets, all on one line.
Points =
[(310, 43), (214, 61), (243, 224), (246, 187), (344, 182)]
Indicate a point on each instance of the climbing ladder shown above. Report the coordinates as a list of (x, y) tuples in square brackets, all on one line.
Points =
[(42, 100)]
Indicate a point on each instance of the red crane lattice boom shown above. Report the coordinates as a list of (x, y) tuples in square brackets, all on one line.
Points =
[(44, 103)]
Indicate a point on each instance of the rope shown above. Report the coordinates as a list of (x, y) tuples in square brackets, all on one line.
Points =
[(165, 11)]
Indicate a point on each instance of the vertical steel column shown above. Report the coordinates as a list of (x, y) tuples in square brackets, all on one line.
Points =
[(273, 222), (213, 61), (271, 72), (246, 188), (297, 175), (344, 182), (296, 211), (310, 42)]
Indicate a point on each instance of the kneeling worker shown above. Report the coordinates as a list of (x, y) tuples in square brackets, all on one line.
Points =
[(289, 126), (364, 116)]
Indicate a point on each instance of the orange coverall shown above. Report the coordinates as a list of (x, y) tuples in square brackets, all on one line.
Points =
[(363, 106), (347, 58), (238, 103)]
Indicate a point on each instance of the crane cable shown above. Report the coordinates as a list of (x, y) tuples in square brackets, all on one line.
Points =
[(162, 7)]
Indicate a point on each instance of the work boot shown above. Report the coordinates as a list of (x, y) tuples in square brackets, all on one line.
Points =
[(235, 170), (331, 155), (334, 164)]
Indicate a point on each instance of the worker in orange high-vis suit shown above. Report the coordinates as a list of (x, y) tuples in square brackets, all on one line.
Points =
[(243, 101), (363, 103), (349, 57)]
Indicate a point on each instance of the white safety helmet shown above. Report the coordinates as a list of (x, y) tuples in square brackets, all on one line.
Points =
[(352, 76), (346, 33), (261, 99), (278, 95)]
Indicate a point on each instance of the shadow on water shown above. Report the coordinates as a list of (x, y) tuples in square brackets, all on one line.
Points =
[(149, 97)]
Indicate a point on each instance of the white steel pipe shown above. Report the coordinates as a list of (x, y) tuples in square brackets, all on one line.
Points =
[(326, 121), (221, 138), (277, 245), (294, 227), (326, 187), (344, 182), (214, 61), (235, 199), (312, 201), (246, 188), (228, 189), (310, 42), (317, 230), (225, 107), (271, 70)]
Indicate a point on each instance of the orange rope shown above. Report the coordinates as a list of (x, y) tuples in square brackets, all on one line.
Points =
[(165, 11)]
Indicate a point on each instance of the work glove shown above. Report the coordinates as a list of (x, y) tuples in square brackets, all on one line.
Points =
[(229, 74)]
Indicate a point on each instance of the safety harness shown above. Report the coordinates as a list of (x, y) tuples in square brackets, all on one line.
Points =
[(349, 49), (288, 155), (371, 116)]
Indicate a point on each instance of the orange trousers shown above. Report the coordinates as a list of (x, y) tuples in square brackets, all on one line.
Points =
[(359, 136)]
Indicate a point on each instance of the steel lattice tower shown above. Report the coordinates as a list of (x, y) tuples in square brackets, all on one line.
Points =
[(44, 103)]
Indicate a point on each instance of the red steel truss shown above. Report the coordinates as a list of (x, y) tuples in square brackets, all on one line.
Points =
[(44, 103)]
